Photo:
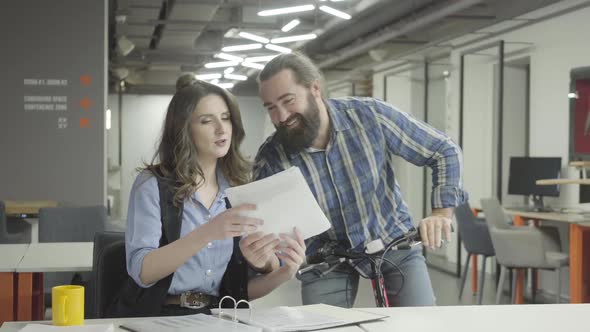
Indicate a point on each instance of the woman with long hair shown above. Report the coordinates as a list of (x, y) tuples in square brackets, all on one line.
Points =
[(197, 159)]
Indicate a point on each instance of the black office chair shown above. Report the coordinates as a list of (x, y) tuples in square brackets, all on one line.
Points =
[(477, 241), (109, 271), (69, 224), (13, 231)]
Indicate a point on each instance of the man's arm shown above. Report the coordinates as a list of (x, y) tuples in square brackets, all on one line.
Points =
[(423, 145)]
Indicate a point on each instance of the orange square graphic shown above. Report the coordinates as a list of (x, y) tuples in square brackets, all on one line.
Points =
[(84, 122), (86, 80)]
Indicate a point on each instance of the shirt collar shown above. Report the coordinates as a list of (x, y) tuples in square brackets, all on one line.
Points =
[(221, 182)]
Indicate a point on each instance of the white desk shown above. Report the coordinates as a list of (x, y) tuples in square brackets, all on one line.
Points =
[(538, 318), (11, 255), (21, 277), (57, 257)]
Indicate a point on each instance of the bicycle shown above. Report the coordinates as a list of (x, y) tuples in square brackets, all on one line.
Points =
[(332, 254)]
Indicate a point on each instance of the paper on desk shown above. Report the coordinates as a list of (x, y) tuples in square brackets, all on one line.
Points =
[(190, 323), (81, 328), (302, 318), (283, 201)]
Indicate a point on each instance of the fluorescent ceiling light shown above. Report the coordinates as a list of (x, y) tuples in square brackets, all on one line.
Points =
[(221, 64), (215, 81), (289, 26), (335, 12), (226, 86), (286, 10), (204, 77), (277, 48), (236, 77), (253, 37), (108, 120), (289, 39), (228, 57), (260, 58), (252, 65), (572, 95), (229, 70), (243, 47)]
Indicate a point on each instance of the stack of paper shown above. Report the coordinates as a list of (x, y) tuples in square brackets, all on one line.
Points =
[(303, 318), (283, 201), (198, 322)]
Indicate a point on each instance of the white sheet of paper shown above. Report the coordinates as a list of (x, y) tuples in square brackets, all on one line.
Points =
[(283, 201), (81, 328)]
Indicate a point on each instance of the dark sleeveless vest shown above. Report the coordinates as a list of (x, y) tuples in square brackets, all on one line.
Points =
[(135, 301)]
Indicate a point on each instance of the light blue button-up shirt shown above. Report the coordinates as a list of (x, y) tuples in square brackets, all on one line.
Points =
[(204, 270)]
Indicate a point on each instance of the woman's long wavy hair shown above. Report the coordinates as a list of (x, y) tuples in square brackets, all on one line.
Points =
[(176, 157)]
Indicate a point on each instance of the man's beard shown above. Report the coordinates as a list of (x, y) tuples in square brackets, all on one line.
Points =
[(296, 139)]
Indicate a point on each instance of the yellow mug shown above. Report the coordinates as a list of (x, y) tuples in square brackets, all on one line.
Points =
[(67, 305)]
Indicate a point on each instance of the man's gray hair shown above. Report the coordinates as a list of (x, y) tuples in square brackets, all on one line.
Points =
[(305, 71)]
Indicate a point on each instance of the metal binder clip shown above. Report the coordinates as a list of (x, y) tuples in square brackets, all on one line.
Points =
[(234, 318), (222, 314), (249, 309)]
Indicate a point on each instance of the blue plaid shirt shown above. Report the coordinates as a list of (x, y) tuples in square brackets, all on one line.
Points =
[(354, 181)]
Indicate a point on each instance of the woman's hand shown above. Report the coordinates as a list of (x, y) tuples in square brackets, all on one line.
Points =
[(259, 251), (292, 252), (231, 223)]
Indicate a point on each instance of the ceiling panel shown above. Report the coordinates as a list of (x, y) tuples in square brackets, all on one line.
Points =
[(183, 11), (143, 14)]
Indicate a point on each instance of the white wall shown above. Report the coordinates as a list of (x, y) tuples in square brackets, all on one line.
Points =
[(143, 118), (558, 45)]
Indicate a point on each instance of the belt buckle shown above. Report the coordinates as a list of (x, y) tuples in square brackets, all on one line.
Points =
[(193, 300)]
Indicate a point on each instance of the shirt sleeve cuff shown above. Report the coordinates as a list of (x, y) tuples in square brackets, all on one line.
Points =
[(448, 196), (135, 268)]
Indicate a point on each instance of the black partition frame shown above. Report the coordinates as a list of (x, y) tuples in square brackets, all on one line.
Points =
[(499, 45)]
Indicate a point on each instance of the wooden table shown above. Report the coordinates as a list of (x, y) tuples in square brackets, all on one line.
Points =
[(579, 226), (26, 208)]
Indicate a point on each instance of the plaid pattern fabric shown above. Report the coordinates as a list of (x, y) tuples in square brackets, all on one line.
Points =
[(354, 180)]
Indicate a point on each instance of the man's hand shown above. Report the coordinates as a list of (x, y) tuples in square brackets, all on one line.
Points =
[(259, 251), (292, 253), (433, 227)]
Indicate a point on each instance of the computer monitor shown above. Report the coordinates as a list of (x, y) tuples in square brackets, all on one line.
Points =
[(525, 171)]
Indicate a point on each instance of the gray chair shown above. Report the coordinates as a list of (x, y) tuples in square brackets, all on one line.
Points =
[(69, 224), (109, 271), (476, 239), (13, 231), (523, 247)]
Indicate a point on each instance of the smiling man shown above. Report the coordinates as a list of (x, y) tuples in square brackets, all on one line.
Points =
[(345, 148)]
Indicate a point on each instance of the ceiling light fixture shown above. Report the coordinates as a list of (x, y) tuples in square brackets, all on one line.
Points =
[(260, 58), (286, 10), (289, 26), (289, 39), (252, 65), (221, 64), (335, 12), (226, 86), (253, 37), (229, 70), (243, 47), (277, 48), (236, 77), (204, 77), (228, 57)]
